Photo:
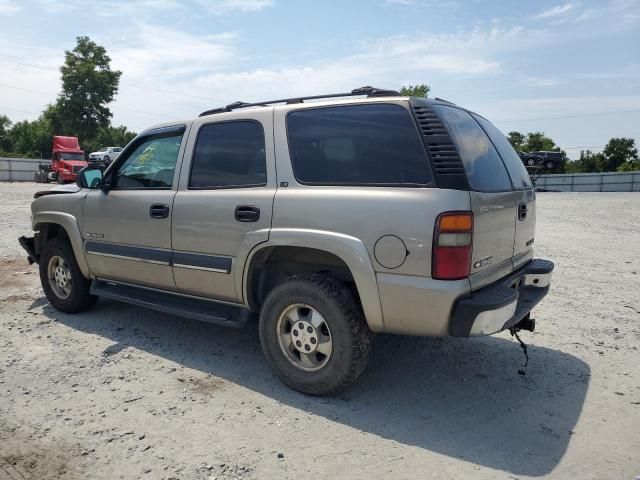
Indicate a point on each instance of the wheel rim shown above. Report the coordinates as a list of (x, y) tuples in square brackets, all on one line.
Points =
[(304, 337), (531, 162), (59, 275)]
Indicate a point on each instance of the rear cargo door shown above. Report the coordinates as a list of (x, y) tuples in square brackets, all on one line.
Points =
[(525, 194), (493, 200)]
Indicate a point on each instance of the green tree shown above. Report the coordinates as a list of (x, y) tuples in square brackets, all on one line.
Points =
[(421, 90), (516, 139), (88, 86), (32, 139), (617, 152), (5, 138), (109, 137), (537, 142)]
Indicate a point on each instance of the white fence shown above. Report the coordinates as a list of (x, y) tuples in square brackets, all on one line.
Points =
[(590, 182), (19, 169)]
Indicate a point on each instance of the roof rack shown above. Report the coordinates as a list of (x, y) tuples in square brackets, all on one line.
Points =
[(358, 92)]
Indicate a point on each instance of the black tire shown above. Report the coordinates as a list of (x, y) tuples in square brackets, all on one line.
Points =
[(106, 160), (531, 162), (79, 299), (350, 334), (37, 177), (549, 165)]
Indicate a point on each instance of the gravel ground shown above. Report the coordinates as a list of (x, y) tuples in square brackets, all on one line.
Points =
[(122, 392)]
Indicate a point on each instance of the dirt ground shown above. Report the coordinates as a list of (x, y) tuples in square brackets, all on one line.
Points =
[(121, 392)]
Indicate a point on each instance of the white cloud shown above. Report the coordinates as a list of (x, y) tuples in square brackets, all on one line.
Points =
[(558, 10), (8, 7), (219, 7)]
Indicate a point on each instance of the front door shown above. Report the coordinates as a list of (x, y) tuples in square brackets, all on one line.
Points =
[(127, 231), (224, 202)]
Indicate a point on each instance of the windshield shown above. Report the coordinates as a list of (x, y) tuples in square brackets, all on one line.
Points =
[(70, 156)]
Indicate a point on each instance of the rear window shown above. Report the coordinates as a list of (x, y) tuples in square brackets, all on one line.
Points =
[(517, 172), (483, 165), (373, 144)]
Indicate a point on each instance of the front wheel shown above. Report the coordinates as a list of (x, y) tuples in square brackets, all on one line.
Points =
[(531, 162), (62, 281), (314, 335)]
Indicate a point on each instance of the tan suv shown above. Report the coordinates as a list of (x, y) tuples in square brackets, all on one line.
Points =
[(329, 218)]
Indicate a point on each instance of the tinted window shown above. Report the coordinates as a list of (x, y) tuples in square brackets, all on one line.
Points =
[(71, 156), (151, 164), (482, 163), (356, 145), (517, 172), (229, 154)]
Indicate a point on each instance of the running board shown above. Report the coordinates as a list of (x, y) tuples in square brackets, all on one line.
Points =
[(174, 304)]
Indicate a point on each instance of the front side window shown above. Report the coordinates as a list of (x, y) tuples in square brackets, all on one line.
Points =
[(484, 168), (151, 164), (517, 172), (371, 144), (228, 155)]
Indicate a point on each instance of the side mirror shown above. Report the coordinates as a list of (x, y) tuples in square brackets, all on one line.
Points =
[(90, 178)]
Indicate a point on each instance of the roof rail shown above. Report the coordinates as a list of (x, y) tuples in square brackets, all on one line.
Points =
[(358, 92)]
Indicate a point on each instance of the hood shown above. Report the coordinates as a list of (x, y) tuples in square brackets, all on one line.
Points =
[(60, 189)]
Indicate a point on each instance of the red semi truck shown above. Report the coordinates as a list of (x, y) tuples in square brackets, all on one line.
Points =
[(67, 159)]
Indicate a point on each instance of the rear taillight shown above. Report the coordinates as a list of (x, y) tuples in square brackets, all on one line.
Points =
[(452, 245)]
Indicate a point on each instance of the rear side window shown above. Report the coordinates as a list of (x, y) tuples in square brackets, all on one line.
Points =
[(229, 154), (517, 172), (482, 163), (373, 144)]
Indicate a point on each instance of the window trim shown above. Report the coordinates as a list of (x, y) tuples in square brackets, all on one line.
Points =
[(125, 154), (429, 184), (228, 187)]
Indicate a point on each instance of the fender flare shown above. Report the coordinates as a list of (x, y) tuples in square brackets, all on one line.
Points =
[(70, 225), (349, 249)]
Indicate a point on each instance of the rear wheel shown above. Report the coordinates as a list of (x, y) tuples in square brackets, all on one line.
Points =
[(37, 177), (549, 165), (314, 335), (62, 281)]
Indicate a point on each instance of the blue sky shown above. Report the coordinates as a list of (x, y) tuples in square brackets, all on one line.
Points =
[(570, 69)]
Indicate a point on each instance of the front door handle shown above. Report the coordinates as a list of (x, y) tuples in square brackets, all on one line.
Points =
[(247, 213), (522, 211), (159, 210)]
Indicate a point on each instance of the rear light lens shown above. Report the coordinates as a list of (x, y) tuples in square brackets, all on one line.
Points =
[(452, 246)]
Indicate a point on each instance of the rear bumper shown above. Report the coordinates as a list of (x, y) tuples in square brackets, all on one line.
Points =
[(502, 304)]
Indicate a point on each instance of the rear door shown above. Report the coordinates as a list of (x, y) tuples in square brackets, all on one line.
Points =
[(493, 200), (224, 202)]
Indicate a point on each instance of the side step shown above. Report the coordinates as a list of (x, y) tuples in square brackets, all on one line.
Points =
[(174, 304)]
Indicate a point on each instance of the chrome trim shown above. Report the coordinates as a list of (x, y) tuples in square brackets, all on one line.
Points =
[(134, 259), (206, 269)]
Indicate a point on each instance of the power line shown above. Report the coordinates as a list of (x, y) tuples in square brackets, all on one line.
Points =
[(115, 107), (199, 97)]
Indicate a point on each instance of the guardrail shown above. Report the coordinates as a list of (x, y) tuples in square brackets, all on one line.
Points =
[(19, 169), (590, 182)]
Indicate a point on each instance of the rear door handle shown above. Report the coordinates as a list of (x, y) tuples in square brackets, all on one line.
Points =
[(522, 211), (247, 213), (159, 210)]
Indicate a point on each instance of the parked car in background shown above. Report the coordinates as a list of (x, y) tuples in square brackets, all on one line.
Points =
[(105, 155), (548, 160)]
